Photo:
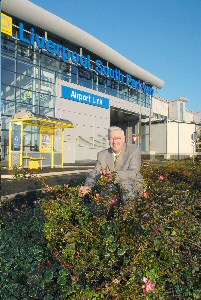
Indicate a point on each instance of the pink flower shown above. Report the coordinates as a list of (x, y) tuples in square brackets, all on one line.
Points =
[(145, 194), (97, 196), (114, 201), (148, 285), (103, 172), (162, 177)]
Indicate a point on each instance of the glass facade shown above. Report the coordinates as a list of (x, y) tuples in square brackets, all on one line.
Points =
[(29, 79)]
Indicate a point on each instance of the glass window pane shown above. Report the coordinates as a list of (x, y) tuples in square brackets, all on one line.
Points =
[(27, 69), (7, 107), (7, 92), (123, 91), (5, 122), (27, 100), (147, 100), (7, 77), (8, 46), (101, 83), (46, 100), (133, 95), (65, 67), (63, 76), (47, 111), (27, 106), (47, 87), (85, 77), (24, 96), (7, 63), (28, 54), (85, 82), (37, 98), (35, 109), (112, 87), (49, 62), (25, 82), (4, 143), (47, 75)]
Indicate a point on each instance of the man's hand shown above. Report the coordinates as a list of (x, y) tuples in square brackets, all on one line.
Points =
[(84, 190)]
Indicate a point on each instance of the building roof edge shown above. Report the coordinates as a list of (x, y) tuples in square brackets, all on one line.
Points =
[(31, 13)]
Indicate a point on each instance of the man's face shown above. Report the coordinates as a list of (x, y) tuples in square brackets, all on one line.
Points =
[(117, 141)]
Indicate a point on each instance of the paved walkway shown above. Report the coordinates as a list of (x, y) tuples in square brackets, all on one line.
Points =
[(10, 186), (59, 172)]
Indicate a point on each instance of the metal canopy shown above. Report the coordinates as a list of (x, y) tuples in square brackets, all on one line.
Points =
[(32, 119)]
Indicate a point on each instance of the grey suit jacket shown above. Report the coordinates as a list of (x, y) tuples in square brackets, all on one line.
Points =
[(127, 168)]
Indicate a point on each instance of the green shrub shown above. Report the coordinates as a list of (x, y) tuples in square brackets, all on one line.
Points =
[(61, 246), (26, 261)]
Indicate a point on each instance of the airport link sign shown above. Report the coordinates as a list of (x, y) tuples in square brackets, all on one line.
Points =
[(84, 97), (66, 54)]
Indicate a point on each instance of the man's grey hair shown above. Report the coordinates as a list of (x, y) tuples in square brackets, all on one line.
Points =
[(114, 128)]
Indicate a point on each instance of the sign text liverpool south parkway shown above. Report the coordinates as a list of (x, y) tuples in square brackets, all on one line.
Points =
[(85, 61)]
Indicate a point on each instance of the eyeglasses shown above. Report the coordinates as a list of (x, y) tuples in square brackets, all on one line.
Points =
[(116, 138)]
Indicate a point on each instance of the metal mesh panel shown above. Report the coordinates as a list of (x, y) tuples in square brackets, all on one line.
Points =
[(15, 159)]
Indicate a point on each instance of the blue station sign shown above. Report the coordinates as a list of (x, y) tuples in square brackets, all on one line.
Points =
[(65, 54), (84, 97)]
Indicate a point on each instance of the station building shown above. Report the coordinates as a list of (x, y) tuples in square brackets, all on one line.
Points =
[(52, 70)]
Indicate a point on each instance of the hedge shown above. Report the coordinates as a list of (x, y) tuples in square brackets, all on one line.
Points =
[(57, 245)]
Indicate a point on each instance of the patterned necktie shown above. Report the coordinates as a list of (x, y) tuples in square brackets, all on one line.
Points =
[(116, 160)]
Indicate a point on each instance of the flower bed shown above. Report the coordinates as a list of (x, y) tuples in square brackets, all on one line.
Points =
[(61, 246)]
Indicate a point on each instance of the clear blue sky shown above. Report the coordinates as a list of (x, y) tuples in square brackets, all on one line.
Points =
[(161, 36)]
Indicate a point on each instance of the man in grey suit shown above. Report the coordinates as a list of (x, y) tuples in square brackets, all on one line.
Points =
[(121, 159)]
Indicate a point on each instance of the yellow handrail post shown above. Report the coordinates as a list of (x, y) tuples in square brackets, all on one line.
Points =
[(10, 146), (52, 144), (22, 146), (62, 148)]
